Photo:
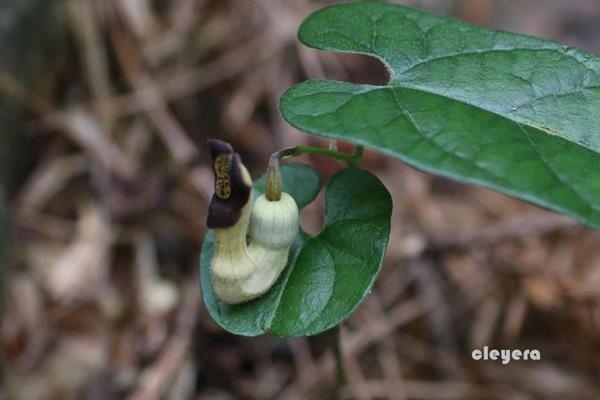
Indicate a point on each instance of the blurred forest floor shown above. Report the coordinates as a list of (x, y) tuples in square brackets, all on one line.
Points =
[(105, 108)]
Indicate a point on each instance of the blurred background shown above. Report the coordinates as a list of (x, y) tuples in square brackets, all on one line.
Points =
[(105, 108)]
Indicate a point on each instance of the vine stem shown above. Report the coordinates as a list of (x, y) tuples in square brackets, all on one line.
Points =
[(340, 371), (353, 159)]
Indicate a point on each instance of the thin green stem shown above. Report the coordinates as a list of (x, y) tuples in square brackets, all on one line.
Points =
[(353, 159), (340, 371), (357, 156)]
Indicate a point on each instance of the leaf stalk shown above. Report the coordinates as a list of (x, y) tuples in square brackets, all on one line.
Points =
[(352, 160)]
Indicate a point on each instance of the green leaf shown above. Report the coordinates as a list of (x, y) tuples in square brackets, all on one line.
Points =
[(336, 269), (327, 276), (509, 112)]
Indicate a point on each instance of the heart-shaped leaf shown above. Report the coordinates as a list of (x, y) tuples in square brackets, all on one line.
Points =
[(336, 269), (509, 112), (327, 276)]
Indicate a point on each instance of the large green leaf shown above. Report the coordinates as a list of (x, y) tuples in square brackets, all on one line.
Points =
[(509, 112), (327, 276)]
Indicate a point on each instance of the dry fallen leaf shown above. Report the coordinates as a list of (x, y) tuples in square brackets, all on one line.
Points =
[(82, 266)]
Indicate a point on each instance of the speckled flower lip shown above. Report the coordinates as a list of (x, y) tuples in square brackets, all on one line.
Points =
[(232, 186)]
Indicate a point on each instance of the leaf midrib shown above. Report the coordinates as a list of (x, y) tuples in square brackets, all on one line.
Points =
[(508, 115), (366, 88)]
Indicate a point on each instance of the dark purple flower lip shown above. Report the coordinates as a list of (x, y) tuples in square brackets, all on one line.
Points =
[(232, 189)]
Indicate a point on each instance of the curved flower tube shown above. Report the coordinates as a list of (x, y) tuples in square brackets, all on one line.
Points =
[(253, 238)]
